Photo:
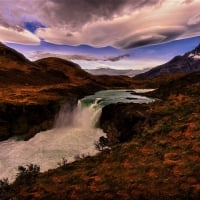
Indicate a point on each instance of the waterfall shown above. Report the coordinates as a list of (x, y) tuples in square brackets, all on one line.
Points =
[(81, 116), (74, 134)]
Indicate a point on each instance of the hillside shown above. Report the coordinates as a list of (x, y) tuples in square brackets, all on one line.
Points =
[(159, 161), (187, 63), (22, 81), (26, 82)]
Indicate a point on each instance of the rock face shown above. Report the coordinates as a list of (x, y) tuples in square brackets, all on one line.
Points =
[(25, 121), (187, 63), (121, 121)]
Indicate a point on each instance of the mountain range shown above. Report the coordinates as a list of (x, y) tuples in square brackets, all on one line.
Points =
[(115, 72), (187, 63)]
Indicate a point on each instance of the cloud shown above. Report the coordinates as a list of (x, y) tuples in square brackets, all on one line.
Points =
[(117, 58), (71, 13), (116, 23), (66, 16), (120, 65), (154, 35), (78, 12), (18, 36), (194, 20), (38, 55), (144, 24), (188, 1)]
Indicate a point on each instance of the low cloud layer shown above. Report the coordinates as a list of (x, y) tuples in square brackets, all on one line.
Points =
[(39, 55), (118, 62), (121, 24)]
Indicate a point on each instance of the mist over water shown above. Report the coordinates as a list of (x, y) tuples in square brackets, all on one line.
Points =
[(74, 134)]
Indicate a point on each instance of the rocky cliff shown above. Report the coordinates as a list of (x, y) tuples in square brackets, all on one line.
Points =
[(122, 121)]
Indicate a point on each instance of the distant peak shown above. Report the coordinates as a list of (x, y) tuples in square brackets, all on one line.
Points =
[(197, 49), (194, 54)]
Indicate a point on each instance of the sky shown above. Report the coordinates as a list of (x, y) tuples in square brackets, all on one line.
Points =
[(119, 34)]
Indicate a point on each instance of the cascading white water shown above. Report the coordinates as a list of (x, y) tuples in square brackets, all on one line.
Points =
[(74, 134)]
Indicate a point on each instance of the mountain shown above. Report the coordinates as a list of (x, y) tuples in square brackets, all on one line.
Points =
[(15, 69), (115, 72), (187, 63)]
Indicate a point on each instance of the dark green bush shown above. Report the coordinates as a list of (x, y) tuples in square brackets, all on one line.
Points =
[(5, 189), (27, 174), (102, 143)]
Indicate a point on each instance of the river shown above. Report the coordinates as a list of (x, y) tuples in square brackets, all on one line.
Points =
[(74, 134)]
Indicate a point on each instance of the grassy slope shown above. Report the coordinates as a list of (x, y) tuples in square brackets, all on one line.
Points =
[(161, 163)]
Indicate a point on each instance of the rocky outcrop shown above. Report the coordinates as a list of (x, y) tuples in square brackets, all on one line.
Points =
[(25, 121), (122, 121)]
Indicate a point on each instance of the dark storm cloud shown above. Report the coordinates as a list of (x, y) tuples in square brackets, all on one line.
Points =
[(143, 42), (100, 23), (80, 12), (65, 13), (74, 12), (154, 36)]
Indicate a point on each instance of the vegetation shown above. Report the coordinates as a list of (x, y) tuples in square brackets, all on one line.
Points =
[(102, 144), (162, 162), (27, 174), (5, 189), (63, 162)]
